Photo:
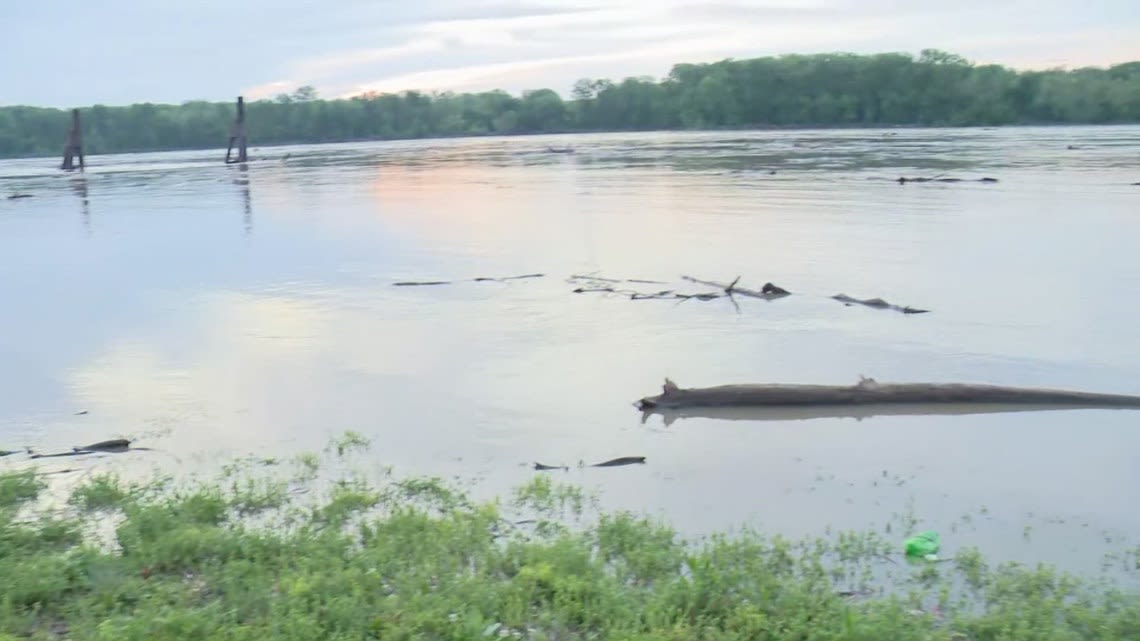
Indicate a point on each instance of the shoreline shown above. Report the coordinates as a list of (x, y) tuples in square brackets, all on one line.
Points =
[(750, 128), (270, 549)]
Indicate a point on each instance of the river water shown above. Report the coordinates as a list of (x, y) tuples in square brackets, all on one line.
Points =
[(216, 311)]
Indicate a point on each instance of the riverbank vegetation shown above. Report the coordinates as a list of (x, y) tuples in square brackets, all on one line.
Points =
[(935, 88), (268, 551)]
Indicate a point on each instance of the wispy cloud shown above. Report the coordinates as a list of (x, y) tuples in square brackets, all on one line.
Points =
[(213, 48), (552, 48)]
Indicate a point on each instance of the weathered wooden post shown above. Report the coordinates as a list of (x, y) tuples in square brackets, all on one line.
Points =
[(237, 134), (74, 145)]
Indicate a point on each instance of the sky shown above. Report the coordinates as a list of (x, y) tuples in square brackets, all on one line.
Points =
[(65, 53)]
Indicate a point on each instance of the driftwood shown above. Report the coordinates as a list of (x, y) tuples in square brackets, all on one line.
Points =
[(902, 180), (767, 292), (543, 467), (112, 446), (870, 392), (602, 279), (614, 462), (623, 460), (601, 284), (590, 284), (479, 279), (877, 303), (670, 415), (18, 196)]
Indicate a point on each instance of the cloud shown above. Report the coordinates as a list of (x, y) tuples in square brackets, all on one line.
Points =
[(213, 48), (553, 44), (555, 48)]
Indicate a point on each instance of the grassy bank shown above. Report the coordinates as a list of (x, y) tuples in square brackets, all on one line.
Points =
[(269, 551)]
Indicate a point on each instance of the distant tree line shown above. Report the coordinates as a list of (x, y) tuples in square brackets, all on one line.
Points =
[(934, 89)]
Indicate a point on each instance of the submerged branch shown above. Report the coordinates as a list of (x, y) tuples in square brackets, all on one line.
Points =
[(615, 462), (478, 279), (768, 292), (877, 303), (902, 180)]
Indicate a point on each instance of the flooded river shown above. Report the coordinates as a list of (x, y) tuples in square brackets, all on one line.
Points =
[(215, 311)]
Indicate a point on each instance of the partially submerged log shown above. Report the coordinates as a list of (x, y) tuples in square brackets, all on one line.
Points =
[(783, 413), (768, 292), (877, 303), (621, 460), (111, 446), (902, 180), (614, 462), (870, 392)]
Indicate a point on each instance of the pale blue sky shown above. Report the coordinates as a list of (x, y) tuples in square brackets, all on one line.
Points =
[(76, 52)]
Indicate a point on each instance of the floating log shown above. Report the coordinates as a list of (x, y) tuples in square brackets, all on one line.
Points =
[(18, 196), (112, 446), (614, 462), (541, 467), (783, 413), (877, 303), (622, 460), (74, 149), (238, 135), (870, 392), (902, 180)]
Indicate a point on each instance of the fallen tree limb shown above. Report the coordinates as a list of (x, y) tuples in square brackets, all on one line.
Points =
[(902, 180), (598, 284), (506, 278), (479, 279), (868, 392), (877, 303), (767, 292)]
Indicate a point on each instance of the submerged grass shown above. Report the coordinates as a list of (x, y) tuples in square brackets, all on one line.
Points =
[(255, 555)]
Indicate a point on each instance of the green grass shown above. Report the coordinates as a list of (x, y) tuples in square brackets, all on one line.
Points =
[(257, 555)]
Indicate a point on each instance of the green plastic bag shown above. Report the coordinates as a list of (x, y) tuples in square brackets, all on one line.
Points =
[(923, 544)]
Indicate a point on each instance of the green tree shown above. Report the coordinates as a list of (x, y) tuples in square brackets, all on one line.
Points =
[(841, 89)]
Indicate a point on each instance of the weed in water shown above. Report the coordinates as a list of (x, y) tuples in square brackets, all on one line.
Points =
[(242, 558)]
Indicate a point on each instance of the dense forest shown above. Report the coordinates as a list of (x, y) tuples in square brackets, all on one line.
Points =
[(935, 88)]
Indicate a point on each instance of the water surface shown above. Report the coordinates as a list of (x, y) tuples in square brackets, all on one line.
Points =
[(215, 310)]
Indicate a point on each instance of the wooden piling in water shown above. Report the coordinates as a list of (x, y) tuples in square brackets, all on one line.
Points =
[(237, 135), (74, 148)]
